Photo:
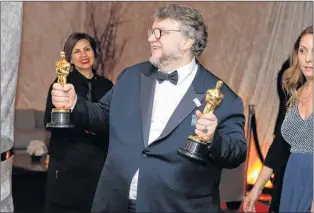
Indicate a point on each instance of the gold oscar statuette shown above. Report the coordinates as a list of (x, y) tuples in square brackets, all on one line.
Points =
[(196, 146), (60, 117)]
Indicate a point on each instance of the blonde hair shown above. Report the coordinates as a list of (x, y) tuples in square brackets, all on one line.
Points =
[(293, 77)]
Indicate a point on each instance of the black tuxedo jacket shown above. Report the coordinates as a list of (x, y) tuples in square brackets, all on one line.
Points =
[(168, 181)]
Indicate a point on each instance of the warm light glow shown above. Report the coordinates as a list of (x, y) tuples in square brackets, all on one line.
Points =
[(254, 172), (46, 161), (7, 155)]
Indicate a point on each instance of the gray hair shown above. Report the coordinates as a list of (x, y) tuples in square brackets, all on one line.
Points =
[(192, 24)]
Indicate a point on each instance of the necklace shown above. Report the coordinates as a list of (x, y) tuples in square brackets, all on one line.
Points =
[(305, 96)]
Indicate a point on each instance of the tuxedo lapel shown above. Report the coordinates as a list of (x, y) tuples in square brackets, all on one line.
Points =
[(187, 105), (148, 81)]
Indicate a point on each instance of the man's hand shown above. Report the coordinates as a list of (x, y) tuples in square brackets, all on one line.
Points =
[(63, 96), (206, 125)]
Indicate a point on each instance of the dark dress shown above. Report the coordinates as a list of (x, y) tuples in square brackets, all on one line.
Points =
[(76, 155), (279, 151)]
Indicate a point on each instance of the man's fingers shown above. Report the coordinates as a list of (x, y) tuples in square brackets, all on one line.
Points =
[(201, 127), (63, 96), (57, 86), (61, 102), (60, 99), (68, 87), (58, 93), (201, 134), (210, 117), (206, 122), (198, 114)]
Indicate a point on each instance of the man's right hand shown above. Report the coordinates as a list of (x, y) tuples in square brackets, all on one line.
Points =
[(63, 96)]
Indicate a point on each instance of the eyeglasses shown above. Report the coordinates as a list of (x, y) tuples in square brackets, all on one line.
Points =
[(159, 32)]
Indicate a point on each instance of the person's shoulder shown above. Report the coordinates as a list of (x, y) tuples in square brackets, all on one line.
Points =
[(140, 67), (136, 68)]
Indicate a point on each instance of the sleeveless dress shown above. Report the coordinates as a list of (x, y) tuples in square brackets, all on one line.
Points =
[(297, 189)]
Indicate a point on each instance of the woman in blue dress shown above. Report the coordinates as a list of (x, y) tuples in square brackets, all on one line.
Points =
[(297, 128), (297, 193)]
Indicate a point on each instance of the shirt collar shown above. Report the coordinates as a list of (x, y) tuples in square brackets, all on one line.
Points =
[(184, 71)]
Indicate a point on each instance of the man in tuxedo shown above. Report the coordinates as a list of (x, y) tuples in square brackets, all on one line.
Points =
[(150, 112)]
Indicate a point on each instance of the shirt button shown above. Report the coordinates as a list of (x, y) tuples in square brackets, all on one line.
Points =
[(144, 155)]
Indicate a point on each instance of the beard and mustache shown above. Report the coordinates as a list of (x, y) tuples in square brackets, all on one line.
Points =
[(166, 59)]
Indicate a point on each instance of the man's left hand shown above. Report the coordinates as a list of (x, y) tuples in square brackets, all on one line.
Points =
[(206, 125)]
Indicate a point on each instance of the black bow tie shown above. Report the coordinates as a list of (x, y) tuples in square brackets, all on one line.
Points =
[(172, 77)]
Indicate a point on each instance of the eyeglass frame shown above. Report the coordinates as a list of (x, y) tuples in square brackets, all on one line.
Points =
[(152, 32)]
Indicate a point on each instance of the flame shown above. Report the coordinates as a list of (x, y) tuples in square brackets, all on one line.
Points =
[(254, 172), (46, 161)]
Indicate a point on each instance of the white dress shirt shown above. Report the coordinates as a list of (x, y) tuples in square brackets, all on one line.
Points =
[(166, 99)]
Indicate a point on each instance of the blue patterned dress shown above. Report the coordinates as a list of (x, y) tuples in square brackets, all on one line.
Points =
[(297, 189)]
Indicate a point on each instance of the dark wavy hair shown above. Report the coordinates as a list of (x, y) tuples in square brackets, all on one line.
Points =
[(73, 39)]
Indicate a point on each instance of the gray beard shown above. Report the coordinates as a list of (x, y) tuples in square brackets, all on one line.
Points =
[(164, 61)]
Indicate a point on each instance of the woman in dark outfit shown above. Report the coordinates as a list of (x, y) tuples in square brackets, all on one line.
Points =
[(276, 158), (279, 151), (77, 155)]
